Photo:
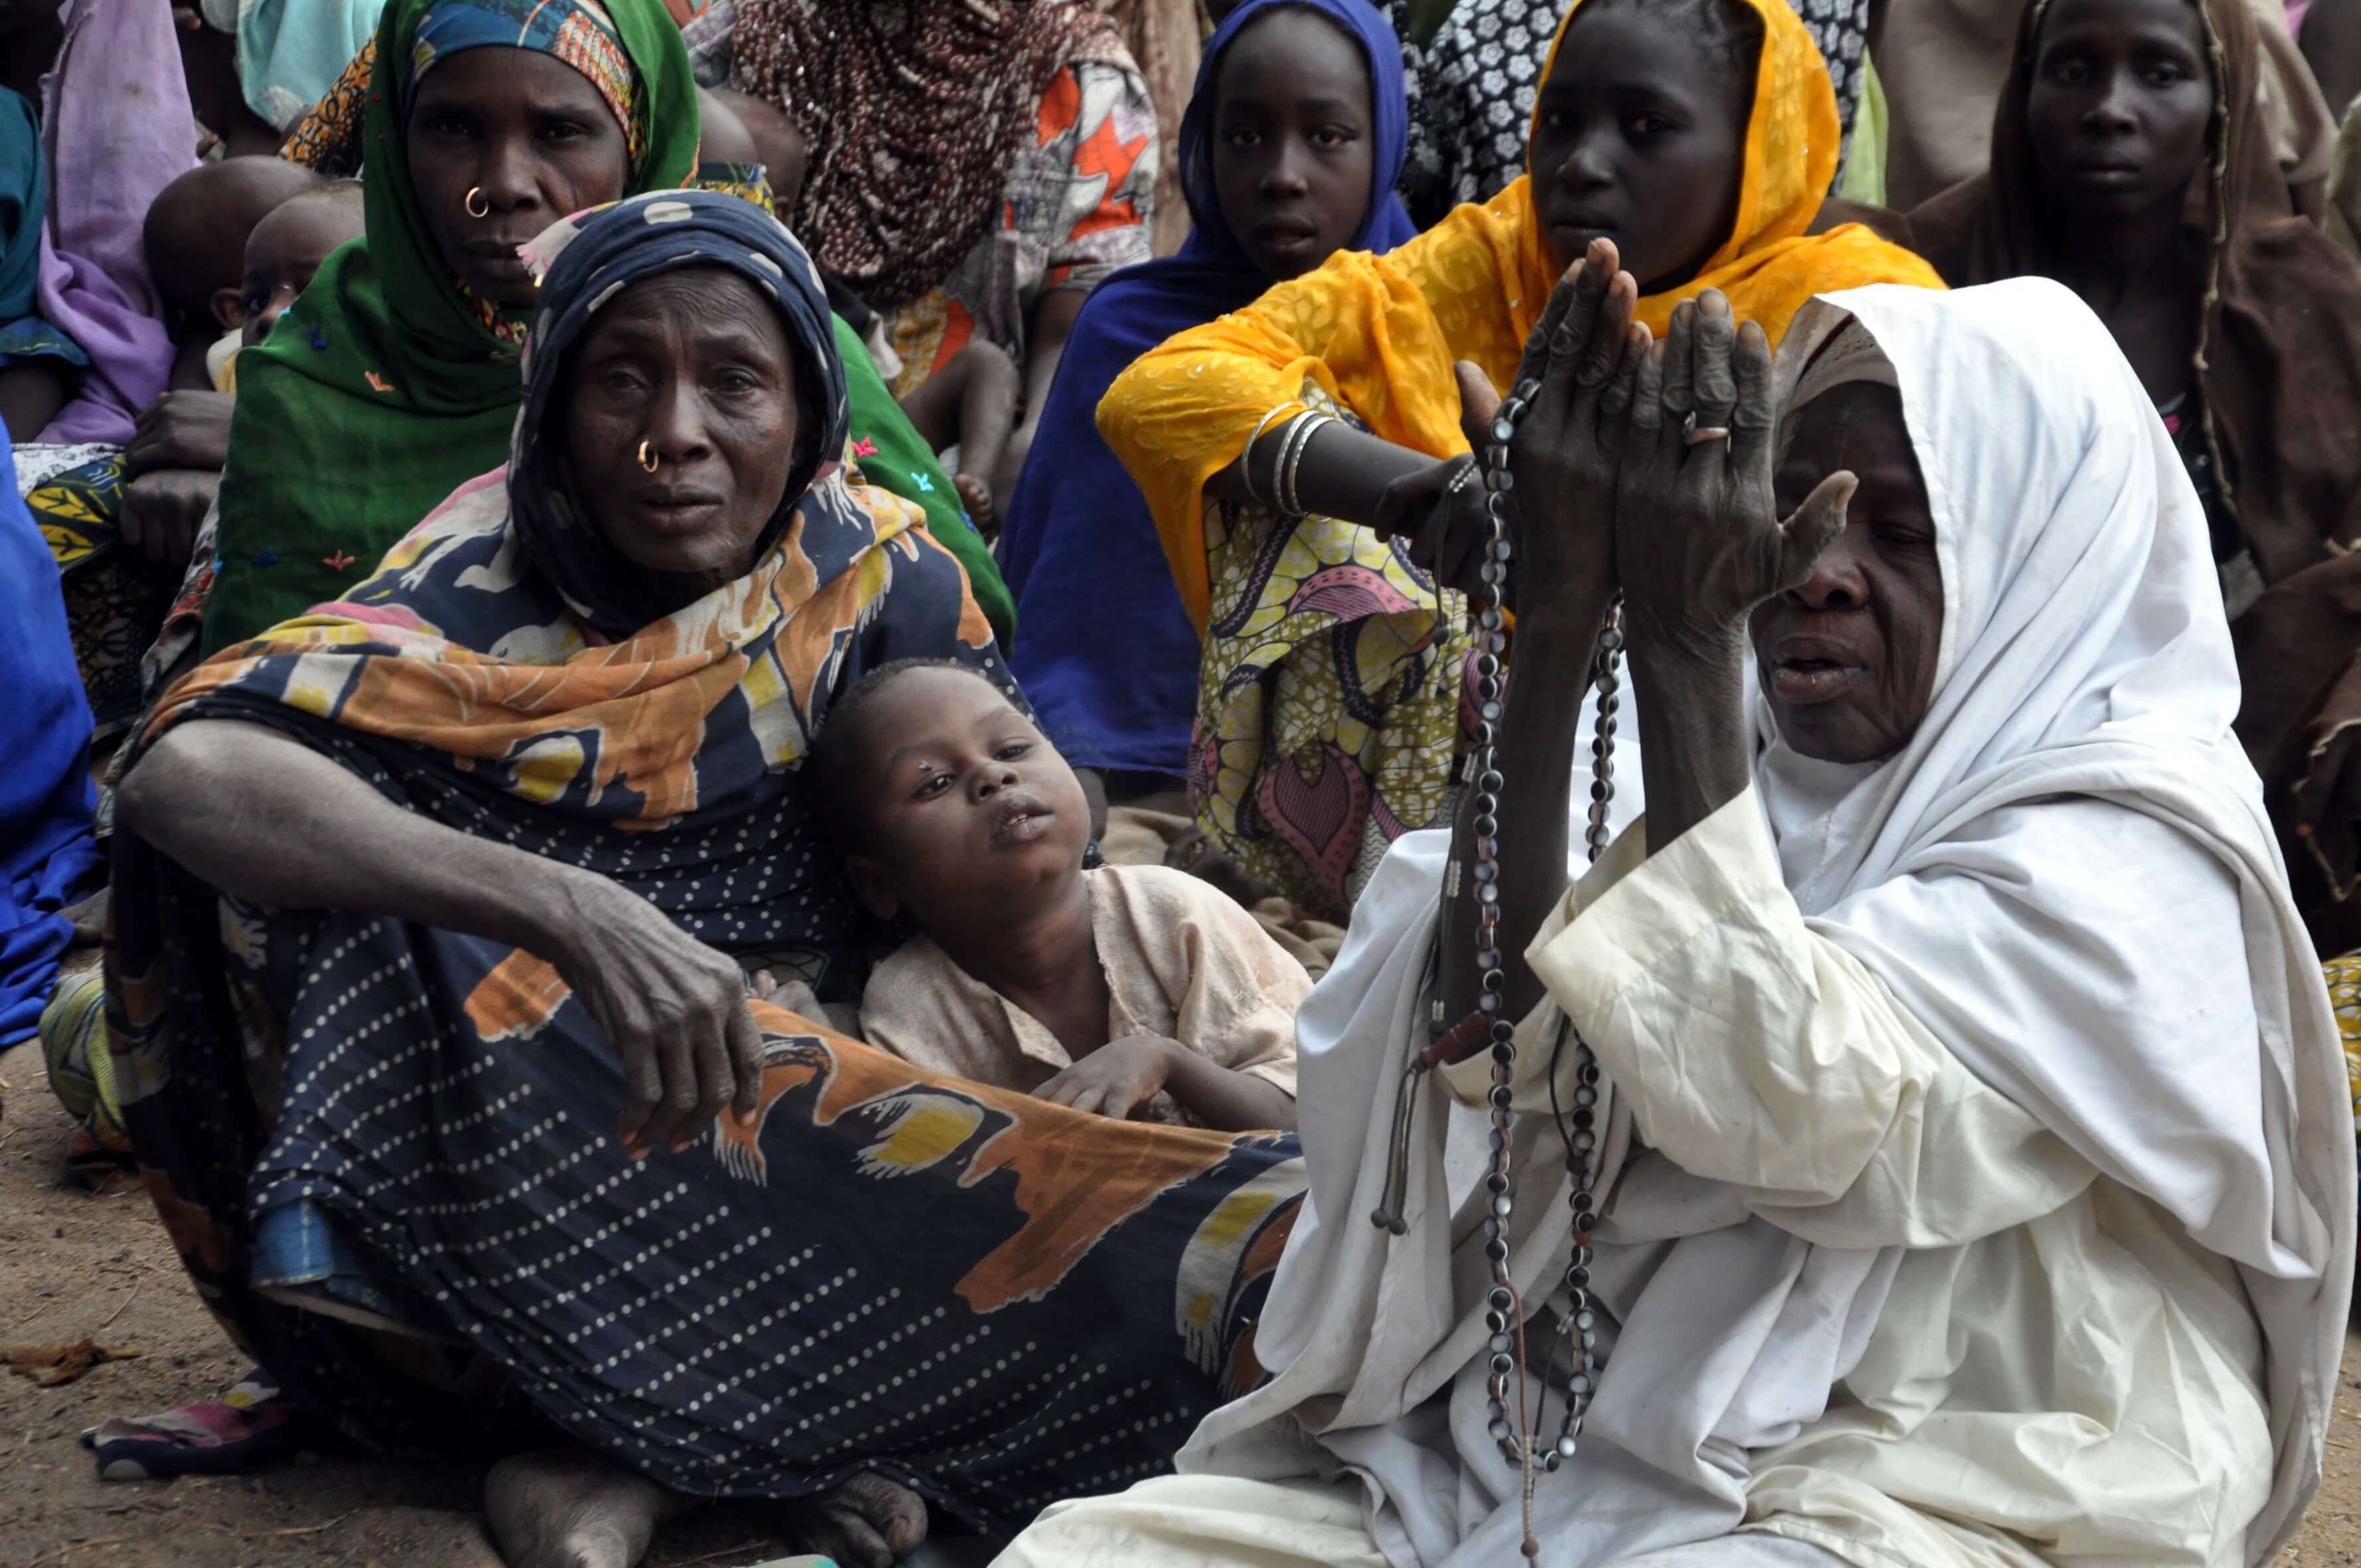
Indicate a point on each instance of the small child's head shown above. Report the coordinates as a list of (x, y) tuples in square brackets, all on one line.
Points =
[(287, 247), (196, 230), (950, 806)]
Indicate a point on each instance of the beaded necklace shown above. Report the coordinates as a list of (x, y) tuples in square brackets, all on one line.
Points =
[(1521, 1440)]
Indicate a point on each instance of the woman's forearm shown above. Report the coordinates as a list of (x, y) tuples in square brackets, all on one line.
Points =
[(265, 819), (1540, 718), (1342, 473), (1692, 731)]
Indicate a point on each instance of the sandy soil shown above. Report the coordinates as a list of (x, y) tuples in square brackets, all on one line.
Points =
[(72, 1264)]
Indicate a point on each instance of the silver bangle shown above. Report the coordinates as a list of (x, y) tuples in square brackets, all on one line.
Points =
[(1246, 457), (1282, 477), (1291, 503)]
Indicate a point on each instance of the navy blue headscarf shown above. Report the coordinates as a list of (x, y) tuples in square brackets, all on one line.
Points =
[(1104, 648), (585, 261)]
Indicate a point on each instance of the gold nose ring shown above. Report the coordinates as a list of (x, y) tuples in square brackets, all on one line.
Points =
[(649, 459), (478, 205)]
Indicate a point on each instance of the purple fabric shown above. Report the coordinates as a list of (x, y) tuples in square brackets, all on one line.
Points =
[(117, 128)]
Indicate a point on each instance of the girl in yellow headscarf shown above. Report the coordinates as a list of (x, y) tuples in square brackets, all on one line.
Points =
[(1700, 137)]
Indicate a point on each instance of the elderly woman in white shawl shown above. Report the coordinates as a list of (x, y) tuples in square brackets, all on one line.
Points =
[(1967, 1184)]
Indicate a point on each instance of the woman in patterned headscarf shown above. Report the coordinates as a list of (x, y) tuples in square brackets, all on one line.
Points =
[(394, 376), (557, 746), (976, 167)]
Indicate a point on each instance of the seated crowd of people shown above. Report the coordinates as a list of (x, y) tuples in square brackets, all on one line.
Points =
[(891, 756)]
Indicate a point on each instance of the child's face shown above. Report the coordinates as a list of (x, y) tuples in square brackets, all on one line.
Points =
[(1641, 137), (967, 808), (1292, 140), (285, 249), (2120, 104)]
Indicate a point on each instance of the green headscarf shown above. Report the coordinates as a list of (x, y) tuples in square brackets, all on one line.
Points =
[(384, 388)]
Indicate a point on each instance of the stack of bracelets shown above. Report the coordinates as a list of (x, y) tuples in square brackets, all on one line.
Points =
[(1294, 437), (1521, 1440)]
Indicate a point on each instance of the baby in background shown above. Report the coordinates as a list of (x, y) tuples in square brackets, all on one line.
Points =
[(1126, 990), (232, 244)]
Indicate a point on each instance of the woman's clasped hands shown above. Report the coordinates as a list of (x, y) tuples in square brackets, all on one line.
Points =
[(1645, 466)]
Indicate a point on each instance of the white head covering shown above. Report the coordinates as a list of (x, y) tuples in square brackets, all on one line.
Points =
[(2084, 653)]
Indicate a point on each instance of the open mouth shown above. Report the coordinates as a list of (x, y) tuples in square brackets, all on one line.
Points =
[(1020, 820), (1807, 667), (1807, 681)]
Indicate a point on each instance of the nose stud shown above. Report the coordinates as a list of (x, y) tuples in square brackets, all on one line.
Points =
[(649, 459), (478, 205)]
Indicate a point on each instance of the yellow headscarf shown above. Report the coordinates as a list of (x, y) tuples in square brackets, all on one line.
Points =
[(1379, 334)]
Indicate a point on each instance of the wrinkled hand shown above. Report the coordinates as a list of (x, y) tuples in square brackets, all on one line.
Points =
[(1698, 538), (1584, 357), (163, 510), (1115, 1079), (673, 1010), (180, 430), (2328, 803)]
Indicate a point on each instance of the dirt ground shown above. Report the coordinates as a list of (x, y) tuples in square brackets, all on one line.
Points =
[(73, 1266)]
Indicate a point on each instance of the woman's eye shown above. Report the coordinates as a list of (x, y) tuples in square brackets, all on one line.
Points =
[(735, 382), (2163, 75), (564, 130), (448, 126), (1243, 138), (1649, 125), (1330, 136), (2069, 71)]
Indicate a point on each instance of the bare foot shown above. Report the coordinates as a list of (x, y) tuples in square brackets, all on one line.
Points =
[(976, 496), (567, 1507), (868, 1523)]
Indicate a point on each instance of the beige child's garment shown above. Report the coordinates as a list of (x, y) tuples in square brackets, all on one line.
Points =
[(1181, 960)]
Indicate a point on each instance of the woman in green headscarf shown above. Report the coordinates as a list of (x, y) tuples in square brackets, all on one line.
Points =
[(394, 376)]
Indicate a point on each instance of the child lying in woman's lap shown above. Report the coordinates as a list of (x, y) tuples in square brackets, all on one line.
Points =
[(1107, 989)]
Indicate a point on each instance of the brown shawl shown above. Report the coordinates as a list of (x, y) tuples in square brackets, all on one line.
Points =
[(913, 110), (2279, 368)]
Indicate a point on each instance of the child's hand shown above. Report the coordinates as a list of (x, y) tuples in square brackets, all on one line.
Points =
[(1115, 1079)]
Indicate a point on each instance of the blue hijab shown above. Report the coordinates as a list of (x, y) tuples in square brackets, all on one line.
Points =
[(47, 858), (1104, 648)]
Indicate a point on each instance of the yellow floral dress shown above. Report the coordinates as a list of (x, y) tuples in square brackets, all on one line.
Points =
[(2344, 977), (1331, 698)]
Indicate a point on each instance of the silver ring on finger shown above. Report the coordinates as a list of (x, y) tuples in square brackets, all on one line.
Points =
[(1696, 434)]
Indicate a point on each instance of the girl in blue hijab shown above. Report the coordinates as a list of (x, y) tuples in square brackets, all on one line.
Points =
[(1289, 151)]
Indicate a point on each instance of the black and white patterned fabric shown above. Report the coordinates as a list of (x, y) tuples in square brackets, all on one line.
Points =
[(1472, 91)]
